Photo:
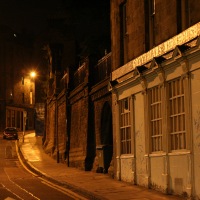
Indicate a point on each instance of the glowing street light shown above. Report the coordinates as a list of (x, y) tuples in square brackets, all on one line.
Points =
[(32, 86), (33, 74)]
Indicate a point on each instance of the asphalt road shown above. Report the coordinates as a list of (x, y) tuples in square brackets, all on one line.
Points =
[(16, 183)]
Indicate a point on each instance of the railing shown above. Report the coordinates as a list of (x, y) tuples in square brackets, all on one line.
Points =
[(64, 82), (80, 74), (98, 73), (103, 69), (58, 83)]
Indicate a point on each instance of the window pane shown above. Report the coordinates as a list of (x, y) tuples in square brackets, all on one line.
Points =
[(177, 114), (156, 118), (125, 126)]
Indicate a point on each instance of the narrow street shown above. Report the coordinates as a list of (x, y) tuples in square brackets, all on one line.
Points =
[(17, 183)]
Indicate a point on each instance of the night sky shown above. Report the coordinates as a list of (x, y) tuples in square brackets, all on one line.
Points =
[(89, 20), (26, 15), (32, 15)]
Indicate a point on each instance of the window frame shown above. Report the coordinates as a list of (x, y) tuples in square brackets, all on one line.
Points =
[(175, 117), (156, 119), (126, 126), (166, 134)]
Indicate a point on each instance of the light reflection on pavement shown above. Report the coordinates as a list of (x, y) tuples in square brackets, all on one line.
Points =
[(31, 154)]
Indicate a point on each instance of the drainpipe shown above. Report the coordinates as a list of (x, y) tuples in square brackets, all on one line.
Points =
[(56, 128), (24, 123), (68, 122)]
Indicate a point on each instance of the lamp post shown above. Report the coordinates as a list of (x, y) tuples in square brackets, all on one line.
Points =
[(24, 123)]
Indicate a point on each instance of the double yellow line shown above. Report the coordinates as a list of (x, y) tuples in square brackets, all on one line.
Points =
[(50, 184)]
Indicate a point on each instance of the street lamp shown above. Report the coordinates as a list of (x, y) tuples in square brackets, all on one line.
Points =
[(33, 74), (32, 86), (24, 123)]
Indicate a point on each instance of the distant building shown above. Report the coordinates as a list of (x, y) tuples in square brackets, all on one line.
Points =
[(17, 87), (155, 94)]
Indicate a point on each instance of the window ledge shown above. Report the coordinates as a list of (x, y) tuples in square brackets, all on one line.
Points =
[(157, 154), (124, 156), (173, 153), (179, 152)]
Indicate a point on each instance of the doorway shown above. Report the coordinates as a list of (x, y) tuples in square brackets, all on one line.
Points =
[(106, 136)]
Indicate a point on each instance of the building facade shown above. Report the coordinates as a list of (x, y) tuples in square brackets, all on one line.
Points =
[(77, 97), (79, 116), (155, 87), (17, 88)]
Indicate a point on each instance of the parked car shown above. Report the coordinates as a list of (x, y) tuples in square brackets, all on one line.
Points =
[(10, 133)]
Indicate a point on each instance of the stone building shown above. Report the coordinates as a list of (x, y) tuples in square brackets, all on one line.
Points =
[(155, 94), (17, 88), (78, 108), (102, 106), (79, 116), (91, 117)]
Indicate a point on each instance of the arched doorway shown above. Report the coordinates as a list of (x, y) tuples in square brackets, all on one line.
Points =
[(106, 136)]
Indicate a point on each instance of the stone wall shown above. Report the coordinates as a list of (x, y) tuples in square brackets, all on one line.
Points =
[(79, 127), (56, 129), (49, 144), (61, 125), (74, 116)]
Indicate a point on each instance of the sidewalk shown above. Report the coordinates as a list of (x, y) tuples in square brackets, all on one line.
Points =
[(90, 184)]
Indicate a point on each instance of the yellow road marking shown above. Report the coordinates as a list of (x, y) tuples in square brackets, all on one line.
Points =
[(44, 181)]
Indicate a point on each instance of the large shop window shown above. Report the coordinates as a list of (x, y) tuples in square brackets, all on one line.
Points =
[(177, 114), (125, 126), (155, 97)]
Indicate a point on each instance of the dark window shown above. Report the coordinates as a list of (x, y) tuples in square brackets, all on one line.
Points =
[(18, 119), (150, 11), (123, 30), (22, 97), (13, 118), (182, 15)]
